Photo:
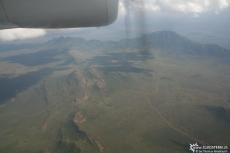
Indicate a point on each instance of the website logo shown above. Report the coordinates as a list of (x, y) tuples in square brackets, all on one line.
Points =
[(197, 148)]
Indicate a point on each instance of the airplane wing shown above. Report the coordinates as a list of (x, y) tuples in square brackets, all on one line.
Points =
[(57, 13)]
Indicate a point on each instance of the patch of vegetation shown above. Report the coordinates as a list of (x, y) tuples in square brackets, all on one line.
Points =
[(109, 98)]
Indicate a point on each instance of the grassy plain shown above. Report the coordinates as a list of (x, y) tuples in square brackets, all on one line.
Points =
[(112, 100)]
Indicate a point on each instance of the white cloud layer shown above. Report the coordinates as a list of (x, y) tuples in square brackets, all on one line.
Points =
[(184, 6), (20, 34), (194, 7)]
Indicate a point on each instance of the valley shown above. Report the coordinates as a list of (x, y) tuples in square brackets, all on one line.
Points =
[(72, 95)]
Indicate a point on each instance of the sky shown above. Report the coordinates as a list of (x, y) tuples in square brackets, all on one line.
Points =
[(204, 20)]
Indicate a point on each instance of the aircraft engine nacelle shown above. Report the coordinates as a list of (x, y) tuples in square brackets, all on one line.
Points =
[(57, 13)]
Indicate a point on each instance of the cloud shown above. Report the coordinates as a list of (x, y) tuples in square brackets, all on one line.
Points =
[(20, 34), (182, 6)]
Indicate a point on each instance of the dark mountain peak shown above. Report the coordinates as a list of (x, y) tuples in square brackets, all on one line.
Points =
[(165, 34), (173, 43), (167, 38)]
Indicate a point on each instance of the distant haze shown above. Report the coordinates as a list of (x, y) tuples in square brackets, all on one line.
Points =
[(208, 24), (205, 21)]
